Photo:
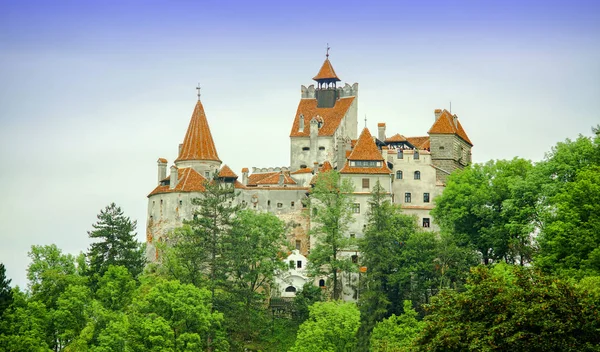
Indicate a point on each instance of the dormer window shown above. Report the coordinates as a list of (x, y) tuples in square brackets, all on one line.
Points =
[(366, 163), (301, 127)]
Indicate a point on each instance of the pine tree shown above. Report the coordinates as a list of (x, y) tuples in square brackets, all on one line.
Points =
[(6, 296), (116, 244)]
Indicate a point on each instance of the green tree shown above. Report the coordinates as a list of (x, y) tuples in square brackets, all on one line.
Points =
[(331, 327), (330, 203), (25, 325), (5, 291), (115, 244), (396, 333), (512, 308), (116, 288), (484, 206)]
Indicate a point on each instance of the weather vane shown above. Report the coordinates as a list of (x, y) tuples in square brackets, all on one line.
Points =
[(327, 55), (198, 89)]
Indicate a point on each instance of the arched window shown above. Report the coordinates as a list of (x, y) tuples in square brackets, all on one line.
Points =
[(290, 289), (417, 175), (398, 175), (321, 283)]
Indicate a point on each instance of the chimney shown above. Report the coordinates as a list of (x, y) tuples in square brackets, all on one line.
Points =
[(245, 176), (316, 167), (162, 169), (281, 179), (438, 113), (173, 181), (381, 130)]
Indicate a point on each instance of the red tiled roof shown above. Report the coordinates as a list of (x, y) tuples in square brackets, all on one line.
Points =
[(326, 167), (419, 142), (347, 169), (274, 179), (331, 116), (227, 172), (445, 125), (365, 148), (162, 160), (396, 138), (254, 178), (326, 72), (198, 143), (306, 170), (188, 180)]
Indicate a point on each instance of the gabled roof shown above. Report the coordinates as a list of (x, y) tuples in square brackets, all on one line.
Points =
[(326, 167), (198, 143), (332, 117), (396, 138), (419, 142), (254, 178), (365, 148), (326, 72), (162, 160), (188, 180), (445, 124), (227, 172), (306, 170), (274, 179)]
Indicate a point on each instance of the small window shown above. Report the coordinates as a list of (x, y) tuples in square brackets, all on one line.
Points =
[(398, 175), (426, 222), (161, 202), (292, 204), (441, 147), (407, 197), (416, 155), (417, 175), (365, 183), (279, 205), (321, 283), (321, 148), (352, 235), (299, 264), (180, 202), (303, 166), (400, 154), (355, 259), (268, 203), (425, 197), (290, 289), (298, 244), (305, 148), (292, 264), (356, 208), (207, 174)]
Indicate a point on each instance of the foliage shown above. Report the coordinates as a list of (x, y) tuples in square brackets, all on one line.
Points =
[(331, 327), (512, 308), (304, 299), (491, 207), (330, 203), (115, 288), (396, 333), (24, 325), (116, 244), (5, 291)]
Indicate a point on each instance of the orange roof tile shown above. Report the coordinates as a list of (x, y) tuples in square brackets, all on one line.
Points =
[(188, 180), (365, 148), (347, 169), (396, 138), (198, 143), (445, 125), (306, 170), (419, 142), (254, 178), (274, 179), (331, 116), (227, 172), (326, 167), (326, 72), (162, 160)]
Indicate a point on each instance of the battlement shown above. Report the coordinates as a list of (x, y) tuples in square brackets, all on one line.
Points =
[(345, 91), (260, 170)]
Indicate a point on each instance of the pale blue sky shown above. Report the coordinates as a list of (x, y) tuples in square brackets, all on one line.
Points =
[(94, 92)]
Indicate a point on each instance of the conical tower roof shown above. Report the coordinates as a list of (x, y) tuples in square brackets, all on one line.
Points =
[(198, 143), (365, 148), (326, 73)]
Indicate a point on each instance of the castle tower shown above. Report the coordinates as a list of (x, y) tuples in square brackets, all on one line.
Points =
[(325, 115), (198, 149), (449, 143)]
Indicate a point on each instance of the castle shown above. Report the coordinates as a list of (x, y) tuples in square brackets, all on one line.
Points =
[(412, 170)]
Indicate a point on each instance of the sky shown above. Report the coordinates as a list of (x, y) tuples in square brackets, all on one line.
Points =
[(92, 93)]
